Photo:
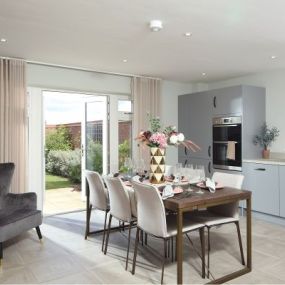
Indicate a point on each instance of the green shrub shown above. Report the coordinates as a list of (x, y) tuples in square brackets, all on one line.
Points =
[(94, 156), (58, 139), (124, 152)]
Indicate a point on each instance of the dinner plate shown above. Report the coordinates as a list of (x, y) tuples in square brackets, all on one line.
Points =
[(203, 186)]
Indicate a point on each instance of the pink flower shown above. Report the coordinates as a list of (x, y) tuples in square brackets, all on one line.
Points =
[(159, 139)]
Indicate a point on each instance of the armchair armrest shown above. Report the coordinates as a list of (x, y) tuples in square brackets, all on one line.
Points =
[(21, 201)]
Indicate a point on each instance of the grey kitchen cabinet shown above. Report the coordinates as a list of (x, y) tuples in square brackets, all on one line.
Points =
[(195, 121), (207, 163), (263, 181), (282, 190), (227, 101)]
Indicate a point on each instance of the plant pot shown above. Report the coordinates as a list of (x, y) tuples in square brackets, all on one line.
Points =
[(157, 165), (266, 153)]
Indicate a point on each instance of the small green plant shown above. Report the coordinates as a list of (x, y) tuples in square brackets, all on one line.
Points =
[(266, 136)]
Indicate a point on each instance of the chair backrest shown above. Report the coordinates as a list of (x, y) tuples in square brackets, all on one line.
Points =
[(120, 205), (98, 195), (229, 180), (6, 174), (150, 209)]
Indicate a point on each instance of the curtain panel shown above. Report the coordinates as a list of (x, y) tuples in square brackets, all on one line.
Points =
[(13, 120), (146, 95)]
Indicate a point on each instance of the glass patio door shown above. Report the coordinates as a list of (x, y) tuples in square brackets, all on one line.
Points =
[(94, 136)]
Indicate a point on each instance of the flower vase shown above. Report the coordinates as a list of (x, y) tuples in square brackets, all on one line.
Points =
[(157, 165), (265, 153)]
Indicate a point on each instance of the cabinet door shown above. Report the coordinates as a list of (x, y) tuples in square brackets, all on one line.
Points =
[(207, 163), (227, 101), (195, 121), (263, 181), (282, 190)]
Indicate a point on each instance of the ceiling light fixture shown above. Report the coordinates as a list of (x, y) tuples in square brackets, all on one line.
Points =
[(125, 60), (187, 34), (3, 40), (203, 73), (273, 56), (155, 25)]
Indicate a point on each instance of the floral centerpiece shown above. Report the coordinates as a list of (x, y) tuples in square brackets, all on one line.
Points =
[(158, 139)]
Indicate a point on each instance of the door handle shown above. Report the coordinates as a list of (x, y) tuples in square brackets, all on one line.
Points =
[(214, 102), (209, 151), (209, 167), (82, 150), (260, 169)]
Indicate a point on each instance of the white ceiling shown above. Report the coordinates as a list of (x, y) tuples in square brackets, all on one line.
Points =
[(230, 37)]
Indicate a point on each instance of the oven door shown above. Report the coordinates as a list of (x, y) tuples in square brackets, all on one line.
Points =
[(220, 160)]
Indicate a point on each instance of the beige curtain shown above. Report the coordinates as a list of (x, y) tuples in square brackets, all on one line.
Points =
[(146, 97), (13, 119)]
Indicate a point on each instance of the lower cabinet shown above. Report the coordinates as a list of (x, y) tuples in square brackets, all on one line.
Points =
[(282, 190), (263, 181)]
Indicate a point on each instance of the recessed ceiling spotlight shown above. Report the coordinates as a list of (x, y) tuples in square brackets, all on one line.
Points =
[(2, 40), (125, 60), (204, 74), (155, 25), (273, 56), (187, 34)]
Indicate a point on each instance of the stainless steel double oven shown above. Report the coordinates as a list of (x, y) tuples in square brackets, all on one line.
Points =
[(227, 143)]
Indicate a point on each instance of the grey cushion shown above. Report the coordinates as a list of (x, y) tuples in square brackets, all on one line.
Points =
[(18, 212), (16, 222)]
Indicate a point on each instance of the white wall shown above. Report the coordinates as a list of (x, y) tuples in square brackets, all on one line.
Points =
[(77, 80), (274, 82)]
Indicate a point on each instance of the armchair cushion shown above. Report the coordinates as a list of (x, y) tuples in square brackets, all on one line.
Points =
[(14, 222)]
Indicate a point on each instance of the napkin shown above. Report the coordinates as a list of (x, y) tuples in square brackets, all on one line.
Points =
[(211, 185), (167, 192)]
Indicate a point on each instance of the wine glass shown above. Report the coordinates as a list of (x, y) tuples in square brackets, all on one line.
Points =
[(177, 172), (202, 177), (129, 165)]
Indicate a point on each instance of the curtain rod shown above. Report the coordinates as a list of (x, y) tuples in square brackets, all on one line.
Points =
[(89, 70)]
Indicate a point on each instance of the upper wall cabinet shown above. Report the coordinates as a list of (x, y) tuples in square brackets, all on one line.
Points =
[(195, 121), (227, 101)]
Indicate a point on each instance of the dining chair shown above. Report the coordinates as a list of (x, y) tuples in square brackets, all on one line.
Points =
[(153, 220), (98, 199), (120, 208), (222, 214)]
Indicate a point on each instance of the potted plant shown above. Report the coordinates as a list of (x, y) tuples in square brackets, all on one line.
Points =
[(265, 138)]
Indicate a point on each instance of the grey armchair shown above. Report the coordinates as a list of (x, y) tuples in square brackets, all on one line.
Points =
[(18, 212)]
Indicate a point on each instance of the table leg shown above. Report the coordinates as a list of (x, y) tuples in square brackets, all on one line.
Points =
[(248, 234), (179, 247)]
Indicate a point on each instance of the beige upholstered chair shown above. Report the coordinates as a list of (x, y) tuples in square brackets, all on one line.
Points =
[(222, 214), (153, 220), (98, 199), (120, 208)]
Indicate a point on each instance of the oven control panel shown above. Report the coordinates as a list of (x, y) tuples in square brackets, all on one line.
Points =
[(226, 120)]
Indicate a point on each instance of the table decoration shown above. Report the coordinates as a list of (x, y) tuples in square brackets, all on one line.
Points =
[(158, 139)]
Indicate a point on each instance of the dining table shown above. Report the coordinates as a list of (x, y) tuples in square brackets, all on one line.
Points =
[(190, 201)]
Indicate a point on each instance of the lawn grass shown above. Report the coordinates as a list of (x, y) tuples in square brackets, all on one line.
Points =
[(54, 182)]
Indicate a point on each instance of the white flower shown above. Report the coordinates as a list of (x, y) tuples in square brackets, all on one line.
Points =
[(180, 137), (173, 139)]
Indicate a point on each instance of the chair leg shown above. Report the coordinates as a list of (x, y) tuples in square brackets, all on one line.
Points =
[(108, 233), (1, 252), (145, 238), (135, 251), (104, 233), (129, 239), (172, 252), (163, 260), (39, 232), (240, 243), (202, 239), (209, 248), (88, 215)]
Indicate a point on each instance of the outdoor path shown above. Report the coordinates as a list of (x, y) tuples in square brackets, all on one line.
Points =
[(62, 200)]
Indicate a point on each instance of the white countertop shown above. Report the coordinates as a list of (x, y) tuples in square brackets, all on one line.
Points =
[(273, 161)]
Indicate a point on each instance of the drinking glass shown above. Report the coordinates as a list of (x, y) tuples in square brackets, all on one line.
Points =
[(202, 177), (177, 171), (129, 166)]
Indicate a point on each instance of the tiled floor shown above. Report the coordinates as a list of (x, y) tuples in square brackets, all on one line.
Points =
[(62, 200), (66, 258)]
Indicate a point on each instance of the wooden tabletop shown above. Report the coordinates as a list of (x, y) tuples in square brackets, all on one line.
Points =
[(192, 200)]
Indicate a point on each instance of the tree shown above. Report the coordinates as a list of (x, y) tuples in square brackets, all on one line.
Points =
[(58, 139)]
